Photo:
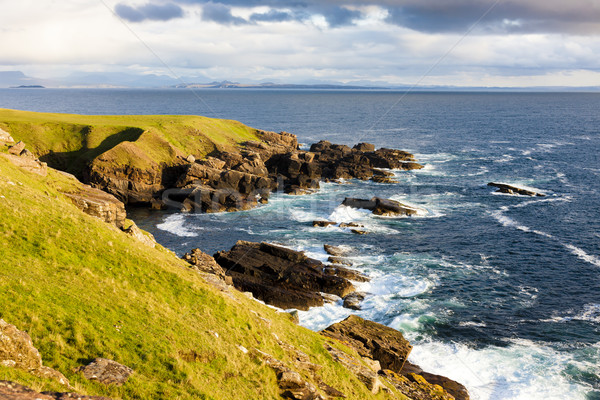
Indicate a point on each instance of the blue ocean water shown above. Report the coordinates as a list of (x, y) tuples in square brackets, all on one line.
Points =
[(499, 292)]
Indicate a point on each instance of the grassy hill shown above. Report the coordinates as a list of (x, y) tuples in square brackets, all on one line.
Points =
[(83, 289), (69, 141)]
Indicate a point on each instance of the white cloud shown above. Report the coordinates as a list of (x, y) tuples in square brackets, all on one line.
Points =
[(44, 38)]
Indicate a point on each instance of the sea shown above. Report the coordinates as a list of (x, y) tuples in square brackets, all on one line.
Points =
[(499, 292)]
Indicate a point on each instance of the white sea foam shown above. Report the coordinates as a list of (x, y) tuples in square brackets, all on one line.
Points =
[(583, 255), (175, 224), (522, 371)]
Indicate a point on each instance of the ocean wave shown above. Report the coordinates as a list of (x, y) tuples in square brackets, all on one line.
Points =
[(524, 370), (175, 224), (582, 255)]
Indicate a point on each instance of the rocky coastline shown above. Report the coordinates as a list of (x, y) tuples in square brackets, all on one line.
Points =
[(278, 276)]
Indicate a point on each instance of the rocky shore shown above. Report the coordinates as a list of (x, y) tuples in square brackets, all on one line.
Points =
[(276, 275)]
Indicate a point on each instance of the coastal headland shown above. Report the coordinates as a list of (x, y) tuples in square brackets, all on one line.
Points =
[(91, 304)]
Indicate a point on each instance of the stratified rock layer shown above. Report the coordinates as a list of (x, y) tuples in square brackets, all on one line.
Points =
[(281, 277)]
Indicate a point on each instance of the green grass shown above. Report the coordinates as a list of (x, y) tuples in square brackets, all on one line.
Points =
[(83, 289), (70, 142)]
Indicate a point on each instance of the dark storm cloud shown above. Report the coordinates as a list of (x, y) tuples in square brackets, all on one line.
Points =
[(220, 13), (149, 11), (494, 16)]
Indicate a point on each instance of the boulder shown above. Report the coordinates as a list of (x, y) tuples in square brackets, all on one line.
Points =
[(509, 189), (206, 264), (372, 340), (17, 148), (353, 300), (106, 371), (14, 391), (279, 276)]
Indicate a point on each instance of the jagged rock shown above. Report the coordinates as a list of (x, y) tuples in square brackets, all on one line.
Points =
[(322, 224), (339, 260), (379, 206), (5, 137), (372, 340), (415, 386), (456, 389), (106, 371), (17, 351), (207, 264), (359, 232), (14, 391), (281, 277), (17, 148), (145, 237), (364, 147), (350, 274), (364, 374), (99, 204), (509, 189), (353, 300), (335, 251)]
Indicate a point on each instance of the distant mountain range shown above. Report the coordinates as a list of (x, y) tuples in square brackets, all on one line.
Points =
[(17, 79)]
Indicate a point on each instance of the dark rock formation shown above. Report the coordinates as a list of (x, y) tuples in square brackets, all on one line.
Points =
[(379, 206), (509, 189), (389, 347), (372, 340), (281, 277), (106, 371), (14, 391), (322, 224), (206, 264), (353, 300)]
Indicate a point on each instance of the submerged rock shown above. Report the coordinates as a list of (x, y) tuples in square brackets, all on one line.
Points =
[(322, 224), (353, 300), (281, 277), (509, 189)]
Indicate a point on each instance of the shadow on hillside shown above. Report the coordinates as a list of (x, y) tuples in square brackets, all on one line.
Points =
[(75, 162)]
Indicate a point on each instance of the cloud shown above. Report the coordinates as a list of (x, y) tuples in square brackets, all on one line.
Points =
[(220, 13), (542, 16), (149, 11)]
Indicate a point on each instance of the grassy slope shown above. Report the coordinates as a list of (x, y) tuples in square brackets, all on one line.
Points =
[(133, 140), (83, 289)]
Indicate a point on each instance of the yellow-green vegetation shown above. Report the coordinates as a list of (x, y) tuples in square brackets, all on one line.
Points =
[(83, 289), (70, 141)]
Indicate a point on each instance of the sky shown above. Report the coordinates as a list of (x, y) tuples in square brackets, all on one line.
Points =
[(504, 43)]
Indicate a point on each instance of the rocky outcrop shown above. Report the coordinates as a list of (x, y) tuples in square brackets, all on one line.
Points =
[(390, 349), (353, 300), (99, 204), (14, 391), (21, 157), (17, 351), (365, 371), (5, 138), (383, 207), (206, 264), (106, 371), (509, 189), (144, 237), (336, 251), (372, 340), (282, 277)]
